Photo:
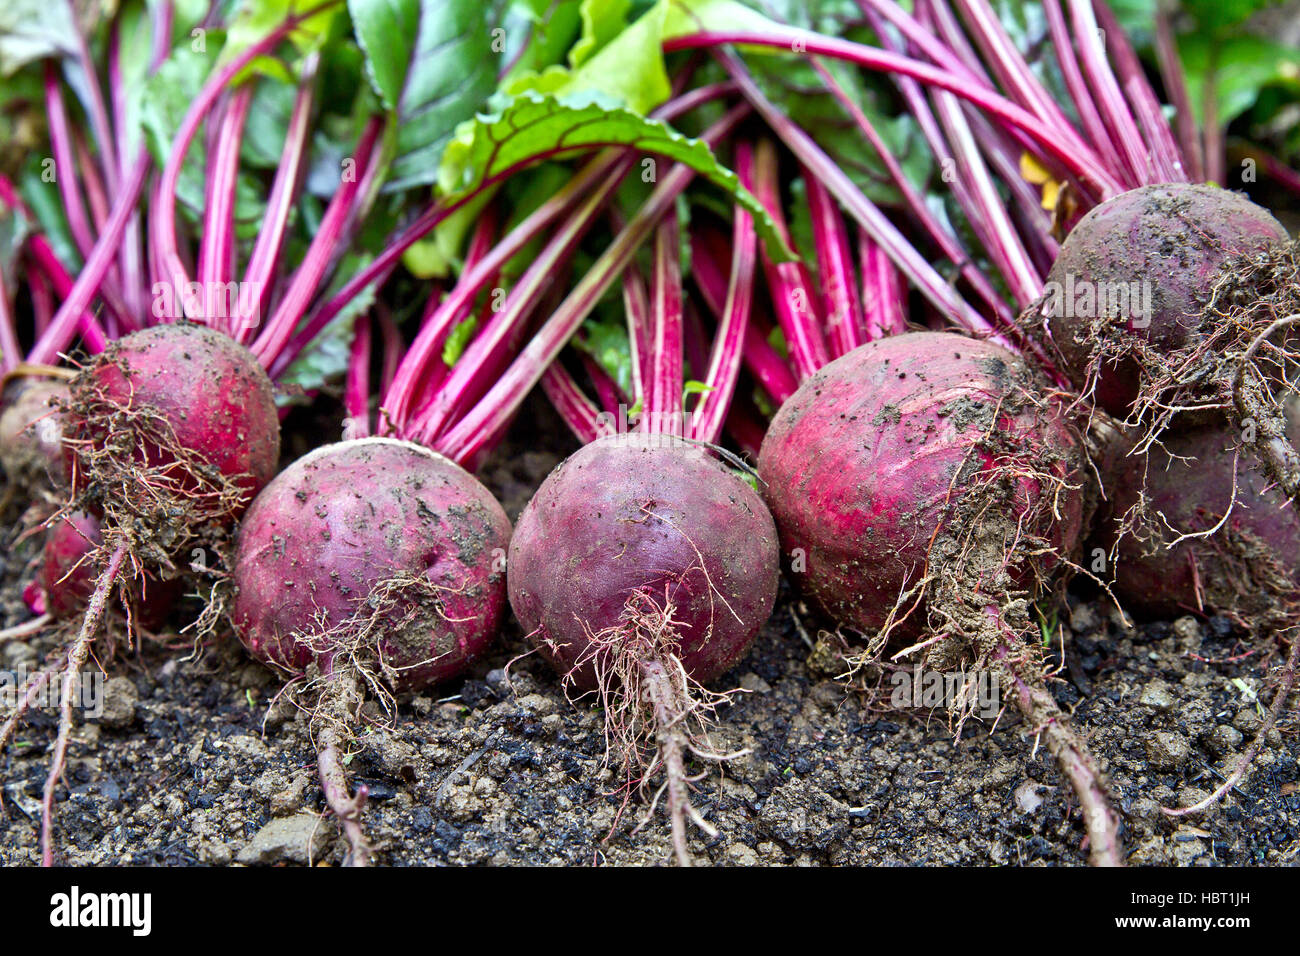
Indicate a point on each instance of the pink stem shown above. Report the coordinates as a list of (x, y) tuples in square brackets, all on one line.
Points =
[(663, 399), (269, 245), (426, 355), (636, 306), (728, 346), (217, 243), (1159, 137), (912, 264), (99, 121), (986, 210), (938, 232), (845, 324), (492, 347), (791, 296), (306, 280), (1080, 95), (356, 392), (69, 316), (1175, 80), (882, 291), (174, 271), (65, 165), (475, 432), (1115, 113), (10, 351), (577, 410), (607, 390), (1011, 68), (767, 366)]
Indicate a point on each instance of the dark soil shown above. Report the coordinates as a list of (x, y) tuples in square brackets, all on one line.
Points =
[(191, 763)]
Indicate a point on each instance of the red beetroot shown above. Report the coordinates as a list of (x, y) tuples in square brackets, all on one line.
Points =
[(1176, 238), (643, 568), (323, 541), (645, 514), (68, 573), (1189, 484), (875, 452), (380, 562), (169, 432), (922, 478), (195, 408)]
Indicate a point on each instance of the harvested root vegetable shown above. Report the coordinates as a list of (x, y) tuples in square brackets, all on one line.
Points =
[(1204, 529), (922, 482), (174, 416), (1198, 526), (1158, 252), (375, 552), (642, 569), (1175, 305), (68, 574), (368, 567), (31, 433), (169, 433)]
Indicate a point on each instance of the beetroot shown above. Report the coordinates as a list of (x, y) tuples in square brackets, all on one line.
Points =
[(1186, 485), (68, 573), (643, 568), (1200, 526), (876, 450), (169, 432), (31, 433), (377, 540), (1176, 239), (379, 566), (186, 412), (922, 481), (651, 515)]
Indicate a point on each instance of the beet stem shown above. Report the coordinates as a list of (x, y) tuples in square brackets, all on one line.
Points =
[(77, 655)]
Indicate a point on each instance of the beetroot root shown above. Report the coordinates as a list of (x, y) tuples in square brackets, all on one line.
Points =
[(922, 480), (641, 569), (185, 414), (1199, 527), (875, 452), (354, 518), (169, 433), (382, 564), (31, 434), (1176, 239), (68, 573)]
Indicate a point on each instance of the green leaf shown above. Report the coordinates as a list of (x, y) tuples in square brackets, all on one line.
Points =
[(454, 347), (531, 126), (32, 30), (627, 69), (607, 343), (257, 18), (1215, 16), (538, 32), (46, 204), (602, 20), (432, 64), (1243, 66), (166, 98)]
